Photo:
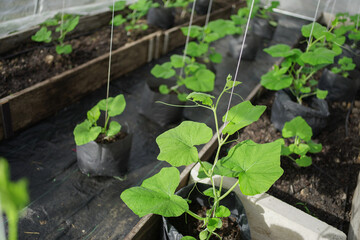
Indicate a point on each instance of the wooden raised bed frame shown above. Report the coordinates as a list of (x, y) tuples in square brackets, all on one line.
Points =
[(28, 106)]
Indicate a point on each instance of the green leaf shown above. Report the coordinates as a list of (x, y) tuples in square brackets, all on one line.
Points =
[(114, 128), (115, 107), (163, 89), (50, 22), (297, 127), (196, 50), (214, 223), (43, 35), (14, 197), (319, 56), (314, 147), (318, 30), (256, 165), (274, 80), (222, 211), (119, 5), (205, 99), (304, 161), (321, 94), (182, 97), (203, 81), (211, 37), (177, 145), (118, 20), (215, 57), (230, 83), (209, 192), (195, 31), (188, 238), (241, 116), (85, 133), (156, 195), (163, 71), (63, 49), (280, 50), (203, 235), (93, 114), (177, 61), (300, 149)]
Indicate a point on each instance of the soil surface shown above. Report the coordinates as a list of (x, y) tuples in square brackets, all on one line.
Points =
[(324, 189), (35, 62)]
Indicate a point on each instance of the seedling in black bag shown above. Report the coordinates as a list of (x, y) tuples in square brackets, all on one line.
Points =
[(302, 144), (89, 130), (65, 24), (195, 76), (297, 70)]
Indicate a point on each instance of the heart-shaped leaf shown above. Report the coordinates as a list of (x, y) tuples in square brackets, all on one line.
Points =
[(115, 106), (163, 71), (256, 165), (205, 99), (241, 116), (156, 195), (177, 145), (297, 127), (85, 133)]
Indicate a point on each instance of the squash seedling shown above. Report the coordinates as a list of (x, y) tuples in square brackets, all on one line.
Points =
[(345, 65), (64, 25), (205, 36), (13, 198), (89, 130), (301, 132), (256, 166), (132, 20), (196, 77), (297, 70)]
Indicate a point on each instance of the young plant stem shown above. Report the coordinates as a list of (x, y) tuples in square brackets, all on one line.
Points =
[(195, 215)]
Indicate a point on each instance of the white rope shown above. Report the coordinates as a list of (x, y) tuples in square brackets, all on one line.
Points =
[(208, 13), (313, 24), (357, 21), (110, 52), (239, 60), (188, 36), (332, 12), (62, 18)]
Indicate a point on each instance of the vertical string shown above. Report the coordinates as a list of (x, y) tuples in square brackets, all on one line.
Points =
[(239, 60), (62, 18), (110, 52), (188, 37), (2, 226), (332, 12), (313, 24), (208, 13), (357, 21)]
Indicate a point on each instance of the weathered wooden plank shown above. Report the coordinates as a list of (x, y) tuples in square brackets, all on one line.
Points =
[(45, 98)]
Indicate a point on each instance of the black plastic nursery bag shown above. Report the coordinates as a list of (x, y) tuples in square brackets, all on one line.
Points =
[(262, 28), (111, 159), (251, 46), (158, 112), (339, 88), (285, 109), (201, 6), (161, 17), (232, 202)]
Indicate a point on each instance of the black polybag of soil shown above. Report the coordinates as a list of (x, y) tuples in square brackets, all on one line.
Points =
[(161, 17), (285, 108), (262, 28), (251, 46), (339, 88), (158, 112), (201, 6), (172, 227), (110, 159)]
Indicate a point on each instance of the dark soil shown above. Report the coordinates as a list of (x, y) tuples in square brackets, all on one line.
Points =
[(324, 189), (32, 63), (102, 138)]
